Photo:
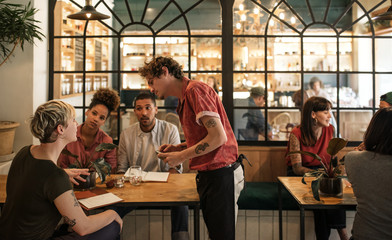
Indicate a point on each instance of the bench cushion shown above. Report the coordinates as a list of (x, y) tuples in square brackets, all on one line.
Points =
[(264, 196)]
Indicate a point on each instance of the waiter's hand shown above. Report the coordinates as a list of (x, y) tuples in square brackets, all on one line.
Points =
[(172, 148), (172, 158)]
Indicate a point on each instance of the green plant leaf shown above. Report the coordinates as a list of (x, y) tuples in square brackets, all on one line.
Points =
[(68, 153), (105, 146), (335, 145), (315, 188), (315, 156), (102, 167), (17, 26)]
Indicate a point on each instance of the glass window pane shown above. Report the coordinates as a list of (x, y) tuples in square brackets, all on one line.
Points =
[(208, 53), (135, 51), (353, 124), (383, 85), (320, 54), (356, 90), (285, 54), (282, 122), (133, 81), (249, 124), (243, 82), (248, 54), (362, 54), (383, 54), (323, 85)]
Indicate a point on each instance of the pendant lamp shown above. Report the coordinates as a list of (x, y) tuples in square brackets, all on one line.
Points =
[(88, 12), (384, 16)]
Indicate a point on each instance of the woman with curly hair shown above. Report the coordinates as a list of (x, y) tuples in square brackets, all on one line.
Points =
[(89, 134)]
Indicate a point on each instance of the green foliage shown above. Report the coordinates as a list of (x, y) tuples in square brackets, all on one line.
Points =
[(102, 167), (330, 171), (17, 26)]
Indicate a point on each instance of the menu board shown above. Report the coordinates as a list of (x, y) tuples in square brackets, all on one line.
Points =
[(98, 55), (78, 53)]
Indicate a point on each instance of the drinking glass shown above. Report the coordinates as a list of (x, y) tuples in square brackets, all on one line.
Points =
[(135, 175)]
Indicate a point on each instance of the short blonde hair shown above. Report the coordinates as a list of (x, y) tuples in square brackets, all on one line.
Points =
[(47, 117)]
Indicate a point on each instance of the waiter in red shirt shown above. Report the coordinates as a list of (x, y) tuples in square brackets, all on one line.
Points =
[(210, 144)]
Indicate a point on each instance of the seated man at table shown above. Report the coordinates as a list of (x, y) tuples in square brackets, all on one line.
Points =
[(138, 145), (256, 120)]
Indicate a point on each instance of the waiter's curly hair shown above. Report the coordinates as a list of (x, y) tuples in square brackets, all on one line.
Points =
[(107, 97), (154, 67)]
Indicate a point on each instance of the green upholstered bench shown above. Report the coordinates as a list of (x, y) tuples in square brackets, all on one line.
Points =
[(264, 196)]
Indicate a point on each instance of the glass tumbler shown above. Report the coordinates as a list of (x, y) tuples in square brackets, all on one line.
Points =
[(135, 175)]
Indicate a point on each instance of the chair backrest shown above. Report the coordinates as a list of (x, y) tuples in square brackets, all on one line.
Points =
[(173, 118), (282, 119)]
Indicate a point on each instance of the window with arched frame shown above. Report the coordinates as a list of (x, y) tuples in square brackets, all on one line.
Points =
[(282, 46), (295, 49)]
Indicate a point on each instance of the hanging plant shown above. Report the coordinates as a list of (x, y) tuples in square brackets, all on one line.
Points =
[(17, 26)]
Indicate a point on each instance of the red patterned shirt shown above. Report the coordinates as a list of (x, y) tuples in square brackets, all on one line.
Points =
[(320, 148), (199, 100), (84, 154)]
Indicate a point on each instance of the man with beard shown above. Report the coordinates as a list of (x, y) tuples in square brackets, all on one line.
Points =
[(139, 145)]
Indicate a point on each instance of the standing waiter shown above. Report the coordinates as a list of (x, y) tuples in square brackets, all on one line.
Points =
[(210, 144)]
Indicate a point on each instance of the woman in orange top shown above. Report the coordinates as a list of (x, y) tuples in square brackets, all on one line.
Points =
[(313, 135)]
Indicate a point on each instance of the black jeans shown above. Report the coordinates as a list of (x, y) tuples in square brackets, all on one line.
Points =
[(216, 192)]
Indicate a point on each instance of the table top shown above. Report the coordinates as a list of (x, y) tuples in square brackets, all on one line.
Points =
[(180, 188), (304, 196)]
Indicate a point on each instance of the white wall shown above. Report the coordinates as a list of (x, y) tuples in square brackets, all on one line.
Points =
[(24, 80)]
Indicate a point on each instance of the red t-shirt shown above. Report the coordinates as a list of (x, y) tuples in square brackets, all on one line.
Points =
[(320, 148), (199, 100)]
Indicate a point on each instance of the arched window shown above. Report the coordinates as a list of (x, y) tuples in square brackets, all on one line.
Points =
[(282, 46)]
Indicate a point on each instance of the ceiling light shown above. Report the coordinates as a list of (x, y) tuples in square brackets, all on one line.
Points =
[(88, 12)]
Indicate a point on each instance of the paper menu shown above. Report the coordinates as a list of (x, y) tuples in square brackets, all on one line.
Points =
[(99, 201), (151, 176)]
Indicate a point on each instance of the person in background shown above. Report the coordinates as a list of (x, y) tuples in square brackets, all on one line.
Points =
[(385, 101), (39, 193), (89, 134), (369, 173), (256, 120), (212, 82), (210, 144), (313, 135), (317, 89), (139, 144)]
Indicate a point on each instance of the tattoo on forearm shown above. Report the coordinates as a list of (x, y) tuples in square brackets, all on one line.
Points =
[(201, 147), (69, 221), (295, 146), (210, 123), (76, 203)]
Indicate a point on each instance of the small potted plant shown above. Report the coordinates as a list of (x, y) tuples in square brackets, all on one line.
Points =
[(96, 166), (329, 179)]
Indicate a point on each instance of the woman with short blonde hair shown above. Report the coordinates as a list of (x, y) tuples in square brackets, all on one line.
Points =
[(39, 194)]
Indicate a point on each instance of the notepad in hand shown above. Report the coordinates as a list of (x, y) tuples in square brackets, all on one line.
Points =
[(99, 201)]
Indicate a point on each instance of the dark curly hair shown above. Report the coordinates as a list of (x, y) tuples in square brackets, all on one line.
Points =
[(154, 67), (107, 97)]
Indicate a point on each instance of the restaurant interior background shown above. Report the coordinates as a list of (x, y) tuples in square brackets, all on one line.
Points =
[(278, 45)]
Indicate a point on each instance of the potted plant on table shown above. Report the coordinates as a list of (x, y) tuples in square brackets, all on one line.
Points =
[(96, 166), (17, 26), (328, 179)]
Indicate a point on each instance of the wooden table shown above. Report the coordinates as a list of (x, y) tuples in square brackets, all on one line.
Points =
[(305, 200), (179, 190)]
